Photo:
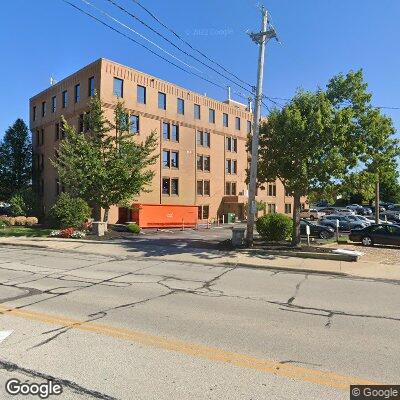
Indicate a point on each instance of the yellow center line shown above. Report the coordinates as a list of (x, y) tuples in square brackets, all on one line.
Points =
[(324, 378)]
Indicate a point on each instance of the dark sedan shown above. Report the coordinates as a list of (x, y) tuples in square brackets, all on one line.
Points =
[(319, 231), (377, 234)]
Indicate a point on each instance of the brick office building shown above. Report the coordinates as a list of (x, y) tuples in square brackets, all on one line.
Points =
[(202, 143)]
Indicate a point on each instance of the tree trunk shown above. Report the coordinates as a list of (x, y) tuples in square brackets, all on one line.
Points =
[(296, 240), (105, 216), (96, 212), (377, 200)]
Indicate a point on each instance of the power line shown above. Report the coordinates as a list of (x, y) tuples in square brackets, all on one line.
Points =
[(187, 43), (141, 44), (139, 34), (176, 46)]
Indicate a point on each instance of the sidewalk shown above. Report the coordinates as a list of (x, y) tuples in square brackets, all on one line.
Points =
[(187, 254)]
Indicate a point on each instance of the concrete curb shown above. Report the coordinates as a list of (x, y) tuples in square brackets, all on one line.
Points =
[(304, 254)]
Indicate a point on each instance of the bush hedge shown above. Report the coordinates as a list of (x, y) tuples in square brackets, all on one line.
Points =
[(134, 228), (69, 212), (274, 227)]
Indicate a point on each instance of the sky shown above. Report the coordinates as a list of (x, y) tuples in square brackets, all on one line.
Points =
[(320, 38)]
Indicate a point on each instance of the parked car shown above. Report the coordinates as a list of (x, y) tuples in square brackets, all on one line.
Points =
[(356, 208), (360, 218), (390, 216), (320, 231), (381, 221), (5, 210), (377, 234), (345, 211), (345, 224), (327, 210), (365, 211), (381, 209), (393, 209), (312, 214)]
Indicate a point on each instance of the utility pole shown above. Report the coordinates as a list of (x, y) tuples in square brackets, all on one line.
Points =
[(261, 39)]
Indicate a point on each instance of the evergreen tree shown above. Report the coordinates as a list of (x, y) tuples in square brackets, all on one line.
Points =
[(15, 160)]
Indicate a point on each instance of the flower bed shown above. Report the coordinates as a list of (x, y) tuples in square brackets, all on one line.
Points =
[(68, 233)]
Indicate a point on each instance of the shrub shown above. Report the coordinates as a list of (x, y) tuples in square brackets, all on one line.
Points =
[(17, 205), (134, 228), (9, 221), (69, 211), (3, 225), (67, 232), (20, 221), (274, 227), (30, 221)]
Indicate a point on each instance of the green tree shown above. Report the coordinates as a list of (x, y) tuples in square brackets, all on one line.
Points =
[(106, 165), (305, 146), (381, 150), (15, 160)]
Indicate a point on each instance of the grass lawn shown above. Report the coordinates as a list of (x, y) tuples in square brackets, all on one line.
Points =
[(24, 231)]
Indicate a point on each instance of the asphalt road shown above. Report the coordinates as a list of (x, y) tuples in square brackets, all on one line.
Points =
[(128, 328)]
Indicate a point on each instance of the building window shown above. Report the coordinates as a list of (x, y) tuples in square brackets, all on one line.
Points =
[(57, 131), (231, 144), (271, 208), (42, 136), (53, 104), (162, 101), (197, 114), (118, 88), (203, 163), (62, 130), (134, 124), (203, 138), (199, 188), (207, 163), (206, 190), (287, 193), (231, 166), (170, 186), (44, 106), (249, 126), (166, 186), (211, 116), (141, 94), (203, 212), (237, 123), (34, 113), (199, 163), (272, 189), (230, 189), (81, 123), (288, 208), (175, 133), (166, 131), (225, 120), (170, 159), (91, 86), (37, 138), (64, 99), (181, 106), (77, 93), (174, 186)]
